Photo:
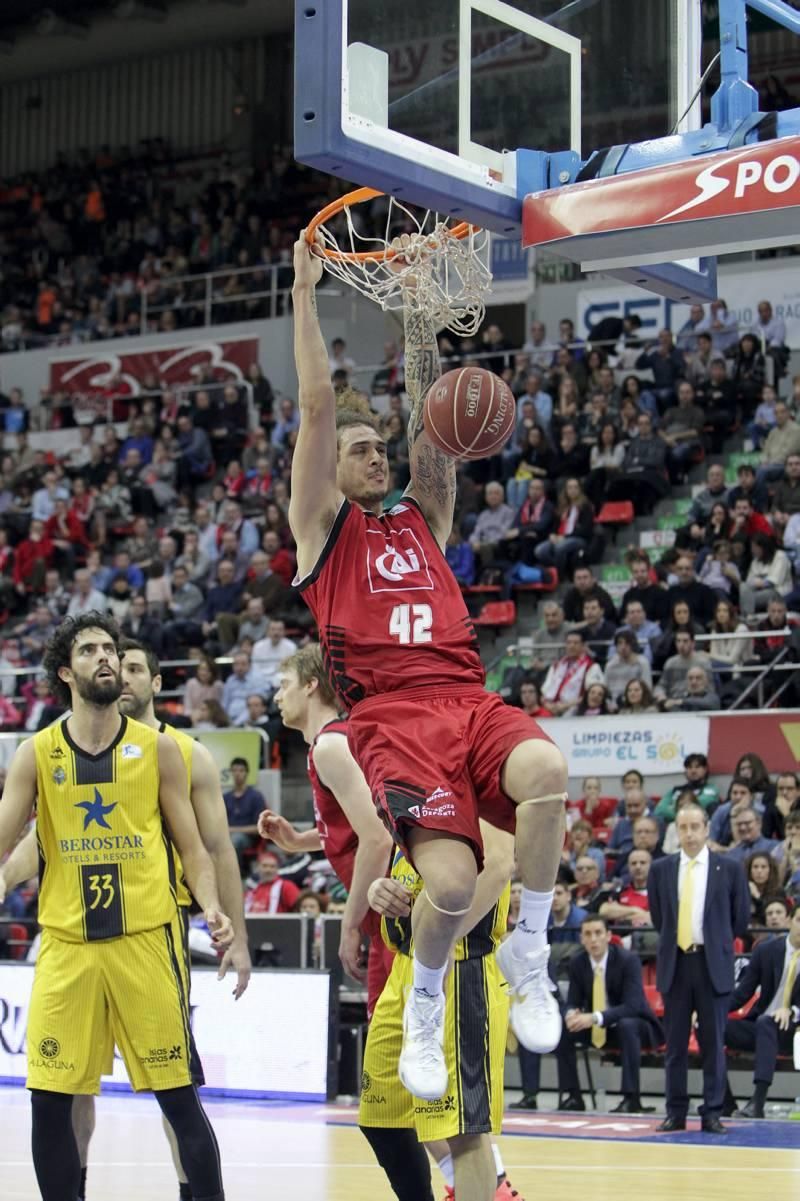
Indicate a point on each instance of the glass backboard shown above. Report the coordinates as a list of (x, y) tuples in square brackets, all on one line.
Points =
[(431, 98)]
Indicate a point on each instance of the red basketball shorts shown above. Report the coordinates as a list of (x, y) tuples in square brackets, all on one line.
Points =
[(434, 758)]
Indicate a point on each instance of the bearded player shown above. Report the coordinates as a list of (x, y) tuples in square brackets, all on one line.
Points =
[(437, 751), (348, 829), (108, 969), (141, 683)]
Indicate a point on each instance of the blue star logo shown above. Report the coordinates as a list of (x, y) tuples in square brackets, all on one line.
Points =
[(96, 811)]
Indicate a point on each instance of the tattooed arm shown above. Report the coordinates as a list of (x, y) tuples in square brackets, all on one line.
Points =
[(433, 473)]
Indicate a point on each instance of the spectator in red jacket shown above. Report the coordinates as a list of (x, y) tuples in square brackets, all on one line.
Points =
[(33, 556), (281, 561), (594, 808), (272, 894)]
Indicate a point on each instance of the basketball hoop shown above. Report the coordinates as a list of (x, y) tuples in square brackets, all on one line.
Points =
[(442, 269)]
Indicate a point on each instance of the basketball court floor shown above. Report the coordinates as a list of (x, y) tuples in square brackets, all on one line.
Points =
[(274, 1150)]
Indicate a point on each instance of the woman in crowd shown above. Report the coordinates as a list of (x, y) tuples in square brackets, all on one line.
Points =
[(637, 698), (769, 575), (764, 879), (642, 398), (573, 532), (537, 458), (204, 685), (719, 572), (605, 462), (729, 647), (212, 716), (595, 702)]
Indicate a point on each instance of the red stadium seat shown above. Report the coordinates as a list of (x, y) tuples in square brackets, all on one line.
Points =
[(498, 614), (615, 512)]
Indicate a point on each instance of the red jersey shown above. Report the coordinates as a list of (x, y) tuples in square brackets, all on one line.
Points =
[(336, 834), (339, 841), (388, 608)]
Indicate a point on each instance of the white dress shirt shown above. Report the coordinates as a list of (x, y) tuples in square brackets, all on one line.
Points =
[(602, 967), (777, 1000), (700, 884)]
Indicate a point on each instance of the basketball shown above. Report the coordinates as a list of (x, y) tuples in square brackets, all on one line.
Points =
[(469, 413)]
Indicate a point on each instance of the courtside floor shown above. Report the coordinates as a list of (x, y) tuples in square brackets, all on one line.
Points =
[(314, 1152)]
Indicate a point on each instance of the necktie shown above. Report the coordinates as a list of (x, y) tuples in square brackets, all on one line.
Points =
[(598, 1006), (685, 938), (786, 1000)]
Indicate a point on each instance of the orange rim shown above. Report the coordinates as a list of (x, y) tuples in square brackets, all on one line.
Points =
[(359, 196)]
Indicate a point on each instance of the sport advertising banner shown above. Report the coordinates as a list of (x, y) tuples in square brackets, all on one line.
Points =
[(268, 1053), (124, 371), (653, 743), (742, 290)]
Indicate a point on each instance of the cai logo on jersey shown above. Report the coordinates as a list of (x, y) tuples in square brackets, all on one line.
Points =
[(396, 562)]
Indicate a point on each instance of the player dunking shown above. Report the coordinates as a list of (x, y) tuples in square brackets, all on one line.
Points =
[(348, 829), (436, 749), (141, 682), (108, 969)]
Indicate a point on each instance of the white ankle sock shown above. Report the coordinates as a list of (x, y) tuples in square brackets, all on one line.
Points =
[(448, 1171), (498, 1160), (530, 933), (429, 979)]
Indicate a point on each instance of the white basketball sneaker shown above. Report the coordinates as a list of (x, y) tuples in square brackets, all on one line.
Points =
[(535, 1016), (422, 1068)]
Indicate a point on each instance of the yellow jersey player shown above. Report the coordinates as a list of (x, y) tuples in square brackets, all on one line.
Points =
[(141, 683), (456, 1127), (109, 793)]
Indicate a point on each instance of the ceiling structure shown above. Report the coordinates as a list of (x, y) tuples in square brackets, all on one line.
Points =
[(46, 37)]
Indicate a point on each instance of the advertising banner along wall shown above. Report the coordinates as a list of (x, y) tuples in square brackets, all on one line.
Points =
[(653, 743), (259, 1049)]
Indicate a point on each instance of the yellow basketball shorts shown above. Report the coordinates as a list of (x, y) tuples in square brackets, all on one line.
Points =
[(476, 1021), (88, 996)]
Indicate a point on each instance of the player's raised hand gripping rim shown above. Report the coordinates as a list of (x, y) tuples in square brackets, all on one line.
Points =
[(307, 262)]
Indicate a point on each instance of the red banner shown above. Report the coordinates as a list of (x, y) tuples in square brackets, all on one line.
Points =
[(745, 195), (775, 737), (124, 371)]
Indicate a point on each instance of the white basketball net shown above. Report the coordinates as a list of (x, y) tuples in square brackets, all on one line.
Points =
[(445, 277)]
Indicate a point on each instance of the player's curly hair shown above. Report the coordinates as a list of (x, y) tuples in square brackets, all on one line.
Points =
[(58, 652), (352, 408), (308, 664)]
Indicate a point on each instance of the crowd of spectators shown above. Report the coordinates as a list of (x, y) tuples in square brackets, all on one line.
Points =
[(84, 243)]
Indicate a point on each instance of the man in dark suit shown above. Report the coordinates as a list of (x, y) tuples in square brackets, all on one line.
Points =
[(699, 902), (769, 1027), (606, 1006)]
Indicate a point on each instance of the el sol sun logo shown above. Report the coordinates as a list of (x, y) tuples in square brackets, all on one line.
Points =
[(49, 1048)]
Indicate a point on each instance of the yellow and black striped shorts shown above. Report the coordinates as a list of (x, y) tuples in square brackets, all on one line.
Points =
[(86, 997), (476, 1024)]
